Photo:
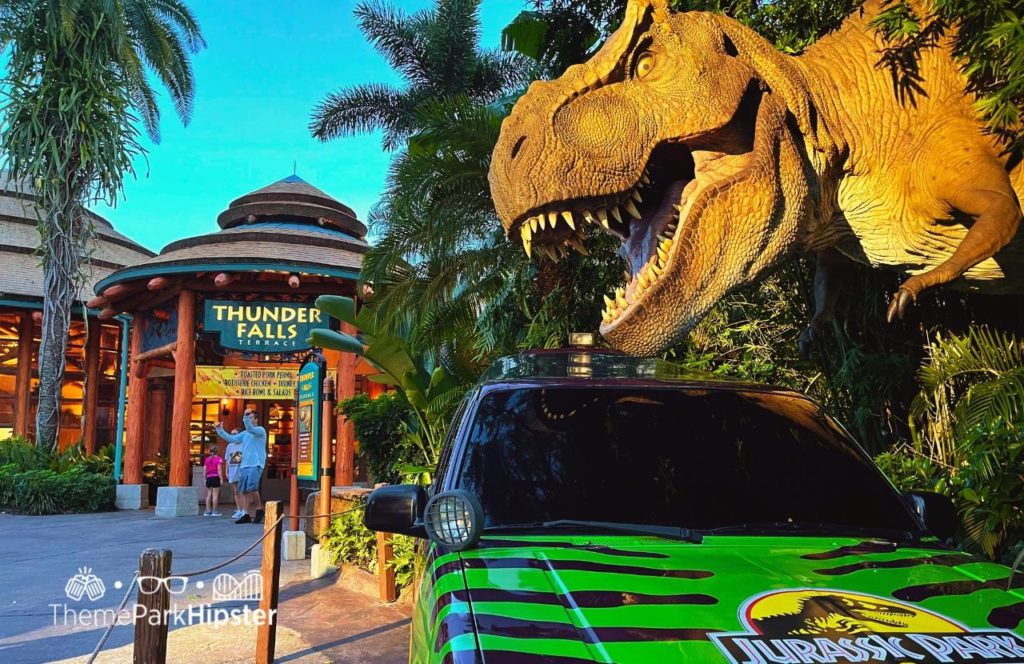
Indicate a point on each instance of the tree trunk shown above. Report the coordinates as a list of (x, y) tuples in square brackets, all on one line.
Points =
[(61, 257)]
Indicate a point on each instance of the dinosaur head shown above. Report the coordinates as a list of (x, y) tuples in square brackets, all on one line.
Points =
[(675, 139)]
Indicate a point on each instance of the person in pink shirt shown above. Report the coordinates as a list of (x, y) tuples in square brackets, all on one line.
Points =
[(214, 465)]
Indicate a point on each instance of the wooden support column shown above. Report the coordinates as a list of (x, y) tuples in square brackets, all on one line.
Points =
[(92, 384), (184, 386), (344, 454), (156, 428), (23, 381), (135, 409)]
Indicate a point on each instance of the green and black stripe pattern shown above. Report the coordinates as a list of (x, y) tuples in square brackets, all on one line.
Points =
[(623, 599)]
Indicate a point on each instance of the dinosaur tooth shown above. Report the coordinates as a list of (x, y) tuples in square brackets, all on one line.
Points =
[(602, 216), (533, 224), (656, 269), (588, 217), (666, 244), (645, 178), (665, 235), (644, 281), (606, 318), (616, 213), (620, 301), (636, 196), (608, 302), (662, 256), (631, 209), (579, 246), (541, 220), (677, 208), (627, 275), (526, 247), (552, 218), (567, 215)]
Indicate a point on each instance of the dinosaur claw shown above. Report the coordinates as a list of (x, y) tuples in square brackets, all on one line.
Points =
[(898, 307)]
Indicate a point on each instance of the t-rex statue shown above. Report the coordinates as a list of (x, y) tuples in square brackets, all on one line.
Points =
[(715, 157)]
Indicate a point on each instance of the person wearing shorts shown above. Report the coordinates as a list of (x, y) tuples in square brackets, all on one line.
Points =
[(214, 465), (250, 471), (233, 459)]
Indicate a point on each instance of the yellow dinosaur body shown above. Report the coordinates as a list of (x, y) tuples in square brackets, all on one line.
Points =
[(715, 157)]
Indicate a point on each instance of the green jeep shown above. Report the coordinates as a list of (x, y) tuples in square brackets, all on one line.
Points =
[(591, 507)]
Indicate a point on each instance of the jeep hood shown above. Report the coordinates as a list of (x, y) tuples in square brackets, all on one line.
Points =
[(741, 599)]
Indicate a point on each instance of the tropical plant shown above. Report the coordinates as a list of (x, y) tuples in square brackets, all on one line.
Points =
[(76, 84), (435, 52), (348, 541), (382, 428), (969, 382), (431, 392)]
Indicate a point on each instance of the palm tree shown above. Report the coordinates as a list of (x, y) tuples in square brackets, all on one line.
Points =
[(76, 85), (435, 52)]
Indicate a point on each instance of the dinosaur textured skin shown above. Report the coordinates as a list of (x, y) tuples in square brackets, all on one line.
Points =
[(715, 157)]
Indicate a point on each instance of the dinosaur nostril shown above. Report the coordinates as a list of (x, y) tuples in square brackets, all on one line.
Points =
[(519, 144)]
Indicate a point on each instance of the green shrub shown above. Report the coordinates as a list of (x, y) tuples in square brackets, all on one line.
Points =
[(37, 492), (350, 542), (382, 431), (985, 486), (46, 492), (8, 473), (22, 454)]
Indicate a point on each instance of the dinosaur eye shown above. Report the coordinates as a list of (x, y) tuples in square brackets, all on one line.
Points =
[(644, 65)]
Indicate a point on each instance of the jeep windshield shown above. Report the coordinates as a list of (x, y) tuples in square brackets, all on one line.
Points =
[(725, 460)]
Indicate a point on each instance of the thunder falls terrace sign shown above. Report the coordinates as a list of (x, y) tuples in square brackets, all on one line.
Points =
[(262, 326)]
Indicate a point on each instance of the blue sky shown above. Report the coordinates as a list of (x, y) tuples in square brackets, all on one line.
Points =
[(267, 63)]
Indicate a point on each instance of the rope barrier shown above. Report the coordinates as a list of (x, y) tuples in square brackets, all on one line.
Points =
[(110, 627), (265, 533), (135, 576)]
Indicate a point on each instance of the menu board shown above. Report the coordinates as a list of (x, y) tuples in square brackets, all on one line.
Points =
[(309, 413)]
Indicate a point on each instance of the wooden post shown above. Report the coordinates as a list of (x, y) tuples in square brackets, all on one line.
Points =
[(156, 428), (293, 493), (23, 381), (344, 455), (266, 632), (386, 567), (92, 384), (326, 472), (184, 386), (135, 409), (155, 597)]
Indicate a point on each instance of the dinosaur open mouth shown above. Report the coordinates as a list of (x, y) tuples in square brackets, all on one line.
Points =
[(649, 218)]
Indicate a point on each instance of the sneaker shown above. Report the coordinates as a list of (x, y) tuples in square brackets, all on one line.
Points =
[(238, 514), (215, 514), (259, 517), (244, 519), (207, 513)]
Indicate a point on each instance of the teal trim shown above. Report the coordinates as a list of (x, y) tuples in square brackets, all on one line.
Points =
[(21, 304), (121, 397), (143, 271)]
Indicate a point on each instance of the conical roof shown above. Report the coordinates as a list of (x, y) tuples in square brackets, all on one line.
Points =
[(21, 274), (288, 227), (291, 198)]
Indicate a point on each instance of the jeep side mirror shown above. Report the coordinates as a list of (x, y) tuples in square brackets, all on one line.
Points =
[(396, 509), (935, 511)]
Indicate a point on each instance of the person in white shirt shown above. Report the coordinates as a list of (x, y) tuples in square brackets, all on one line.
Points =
[(250, 468), (233, 459)]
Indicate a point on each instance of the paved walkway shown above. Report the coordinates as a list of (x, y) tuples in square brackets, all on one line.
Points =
[(320, 621)]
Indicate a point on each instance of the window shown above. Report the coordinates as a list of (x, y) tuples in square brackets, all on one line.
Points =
[(688, 458)]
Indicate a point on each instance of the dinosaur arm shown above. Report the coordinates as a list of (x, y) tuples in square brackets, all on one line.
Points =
[(997, 216), (829, 272)]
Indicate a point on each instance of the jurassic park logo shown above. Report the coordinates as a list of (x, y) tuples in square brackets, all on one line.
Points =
[(820, 625)]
